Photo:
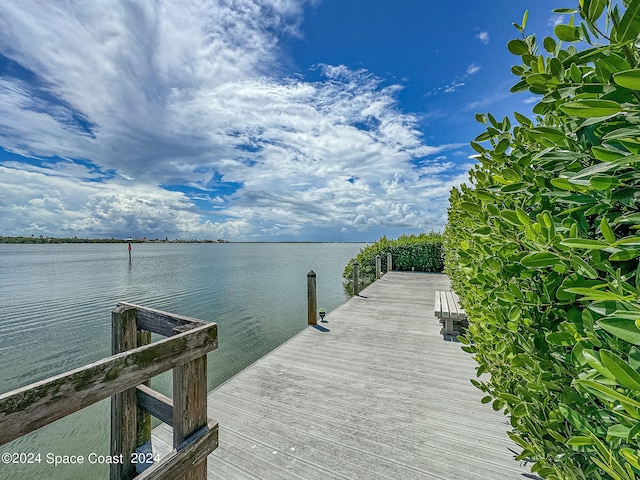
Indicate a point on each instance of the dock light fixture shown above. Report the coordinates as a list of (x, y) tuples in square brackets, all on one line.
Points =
[(322, 313)]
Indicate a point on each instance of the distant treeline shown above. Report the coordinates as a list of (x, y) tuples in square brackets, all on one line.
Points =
[(41, 239)]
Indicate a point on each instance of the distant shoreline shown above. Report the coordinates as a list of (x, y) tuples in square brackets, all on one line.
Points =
[(45, 240), (56, 240)]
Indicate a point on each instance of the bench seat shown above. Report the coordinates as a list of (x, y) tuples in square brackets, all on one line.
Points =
[(447, 309)]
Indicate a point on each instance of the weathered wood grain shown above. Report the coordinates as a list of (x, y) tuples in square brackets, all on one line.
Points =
[(312, 302), (179, 462), (190, 408), (157, 321), (33, 406), (155, 403), (124, 408)]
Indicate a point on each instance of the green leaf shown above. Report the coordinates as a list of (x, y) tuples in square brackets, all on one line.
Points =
[(556, 68), (470, 207), (634, 358), (541, 259), (521, 86), (628, 79), (519, 410), (630, 218), (608, 394), (576, 74), (575, 418), (579, 441), (511, 217), (567, 33), (607, 233), (628, 454), (604, 182), (523, 217), (629, 25), (522, 119), (615, 308), (592, 294), (594, 169), (604, 154), (633, 240), (563, 339), (549, 44), (583, 268), (596, 7), (564, 184), (514, 187), (623, 373), (593, 359), (624, 255), (517, 47), (619, 431), (554, 135), (584, 243), (622, 328), (588, 108)]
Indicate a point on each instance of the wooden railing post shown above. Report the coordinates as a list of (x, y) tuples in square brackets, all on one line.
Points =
[(378, 267), (124, 377), (312, 316), (389, 262), (190, 408), (124, 425), (143, 436), (356, 278)]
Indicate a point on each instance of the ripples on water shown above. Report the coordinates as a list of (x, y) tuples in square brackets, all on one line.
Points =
[(55, 315)]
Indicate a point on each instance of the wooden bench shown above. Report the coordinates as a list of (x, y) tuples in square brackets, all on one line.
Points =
[(451, 315)]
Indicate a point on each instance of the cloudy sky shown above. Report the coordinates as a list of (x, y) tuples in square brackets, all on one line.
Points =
[(266, 120)]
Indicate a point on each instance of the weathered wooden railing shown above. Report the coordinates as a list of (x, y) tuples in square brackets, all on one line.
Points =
[(122, 377), (355, 281)]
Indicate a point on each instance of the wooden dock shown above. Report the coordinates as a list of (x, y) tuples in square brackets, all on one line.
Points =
[(374, 393)]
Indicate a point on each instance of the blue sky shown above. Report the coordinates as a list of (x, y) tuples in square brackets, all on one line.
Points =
[(258, 120)]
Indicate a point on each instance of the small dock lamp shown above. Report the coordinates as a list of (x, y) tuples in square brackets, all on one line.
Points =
[(322, 313)]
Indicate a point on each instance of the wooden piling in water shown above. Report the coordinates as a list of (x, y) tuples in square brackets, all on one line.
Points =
[(312, 304)]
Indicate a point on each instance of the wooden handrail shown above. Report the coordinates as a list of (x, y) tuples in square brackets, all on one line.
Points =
[(121, 376)]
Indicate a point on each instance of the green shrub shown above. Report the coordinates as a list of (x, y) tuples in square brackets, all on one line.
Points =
[(543, 249), (422, 253)]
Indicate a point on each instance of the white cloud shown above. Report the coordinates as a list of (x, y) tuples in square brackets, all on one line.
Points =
[(146, 94), (473, 69), (483, 37), (555, 20)]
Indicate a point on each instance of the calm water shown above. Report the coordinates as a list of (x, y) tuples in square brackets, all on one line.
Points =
[(55, 315)]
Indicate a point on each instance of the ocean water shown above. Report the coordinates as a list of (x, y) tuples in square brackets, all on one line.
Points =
[(55, 315)]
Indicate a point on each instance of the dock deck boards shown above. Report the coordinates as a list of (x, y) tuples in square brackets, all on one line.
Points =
[(379, 395)]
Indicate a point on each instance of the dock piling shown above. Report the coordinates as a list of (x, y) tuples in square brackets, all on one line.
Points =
[(378, 267), (312, 303)]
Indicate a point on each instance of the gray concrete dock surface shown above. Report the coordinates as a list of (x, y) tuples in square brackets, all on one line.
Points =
[(374, 393)]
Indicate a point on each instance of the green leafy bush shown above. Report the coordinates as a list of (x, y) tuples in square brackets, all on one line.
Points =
[(543, 248), (422, 253)]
